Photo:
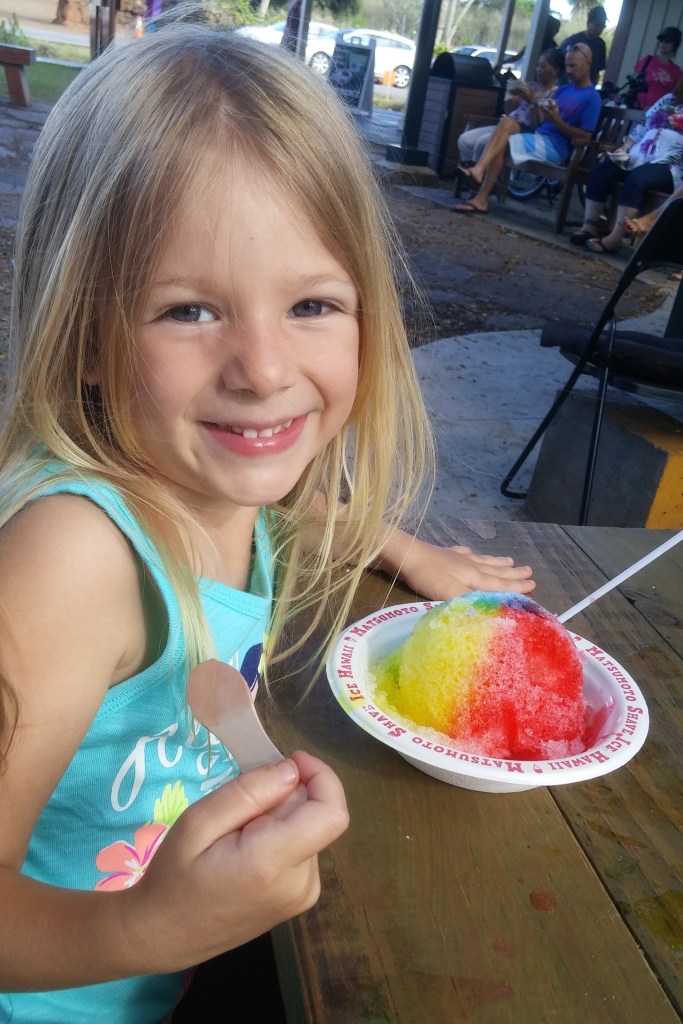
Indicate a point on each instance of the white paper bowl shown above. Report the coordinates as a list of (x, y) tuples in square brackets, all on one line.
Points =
[(606, 686)]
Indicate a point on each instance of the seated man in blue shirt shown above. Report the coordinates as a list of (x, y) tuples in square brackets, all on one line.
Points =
[(571, 116)]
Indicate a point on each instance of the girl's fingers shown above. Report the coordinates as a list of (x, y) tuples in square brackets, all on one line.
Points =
[(506, 572), (232, 806), (315, 822), (499, 561), (299, 803)]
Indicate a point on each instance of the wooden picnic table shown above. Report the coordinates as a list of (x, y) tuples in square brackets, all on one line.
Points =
[(560, 904)]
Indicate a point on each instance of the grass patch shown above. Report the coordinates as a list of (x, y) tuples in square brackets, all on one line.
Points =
[(388, 102), (46, 82), (60, 51)]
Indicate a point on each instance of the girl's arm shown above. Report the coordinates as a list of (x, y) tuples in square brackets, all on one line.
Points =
[(440, 573), (72, 625)]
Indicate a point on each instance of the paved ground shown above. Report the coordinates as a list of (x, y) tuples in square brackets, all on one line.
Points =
[(36, 18), (491, 282)]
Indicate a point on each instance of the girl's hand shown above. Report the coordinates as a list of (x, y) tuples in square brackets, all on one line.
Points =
[(441, 573), (238, 862)]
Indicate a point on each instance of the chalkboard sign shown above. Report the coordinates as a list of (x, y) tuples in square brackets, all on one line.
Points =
[(352, 74)]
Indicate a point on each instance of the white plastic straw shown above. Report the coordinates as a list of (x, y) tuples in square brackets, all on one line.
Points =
[(611, 584)]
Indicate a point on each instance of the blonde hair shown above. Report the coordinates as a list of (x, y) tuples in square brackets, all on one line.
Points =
[(118, 154)]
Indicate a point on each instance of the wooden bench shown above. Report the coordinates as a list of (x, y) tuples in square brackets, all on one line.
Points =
[(15, 60), (613, 127)]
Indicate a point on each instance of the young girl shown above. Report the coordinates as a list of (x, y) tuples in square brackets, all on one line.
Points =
[(210, 357)]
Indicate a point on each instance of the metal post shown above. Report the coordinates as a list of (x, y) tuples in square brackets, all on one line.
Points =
[(102, 25), (407, 152), (504, 32), (534, 40), (302, 32)]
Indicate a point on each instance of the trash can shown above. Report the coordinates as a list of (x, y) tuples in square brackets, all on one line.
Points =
[(458, 86)]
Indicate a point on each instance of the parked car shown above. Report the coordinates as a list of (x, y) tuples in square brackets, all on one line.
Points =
[(273, 33), (490, 53), (319, 47), (392, 53), (319, 51)]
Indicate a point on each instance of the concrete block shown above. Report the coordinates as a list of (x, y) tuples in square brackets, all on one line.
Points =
[(639, 470)]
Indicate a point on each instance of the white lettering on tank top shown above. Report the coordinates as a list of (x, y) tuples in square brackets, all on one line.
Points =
[(131, 774)]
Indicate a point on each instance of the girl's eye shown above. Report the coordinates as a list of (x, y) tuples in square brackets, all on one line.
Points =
[(192, 313), (310, 307)]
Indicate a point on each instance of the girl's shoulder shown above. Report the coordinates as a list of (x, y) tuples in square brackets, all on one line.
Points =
[(63, 552), (71, 612), (54, 525), (50, 483)]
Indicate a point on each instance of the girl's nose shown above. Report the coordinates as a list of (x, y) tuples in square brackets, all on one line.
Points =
[(260, 360)]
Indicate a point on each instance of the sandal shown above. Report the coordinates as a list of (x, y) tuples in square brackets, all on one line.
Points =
[(580, 237), (597, 247), (469, 208)]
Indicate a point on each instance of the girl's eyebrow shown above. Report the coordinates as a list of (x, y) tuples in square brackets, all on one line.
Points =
[(300, 281), (318, 280)]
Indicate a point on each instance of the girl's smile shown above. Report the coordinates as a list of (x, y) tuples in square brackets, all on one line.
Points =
[(257, 440), (247, 353)]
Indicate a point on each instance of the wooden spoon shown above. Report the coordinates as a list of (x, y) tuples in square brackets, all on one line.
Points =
[(220, 699)]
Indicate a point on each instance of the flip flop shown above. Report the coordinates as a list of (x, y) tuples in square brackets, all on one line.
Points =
[(580, 237), (595, 246), (468, 208)]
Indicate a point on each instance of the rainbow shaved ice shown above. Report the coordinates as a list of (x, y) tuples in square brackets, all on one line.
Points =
[(495, 672)]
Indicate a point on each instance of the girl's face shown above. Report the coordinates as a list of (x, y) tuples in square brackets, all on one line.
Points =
[(247, 350), (666, 49)]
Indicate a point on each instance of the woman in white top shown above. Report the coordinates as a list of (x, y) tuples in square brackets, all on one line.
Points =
[(652, 160)]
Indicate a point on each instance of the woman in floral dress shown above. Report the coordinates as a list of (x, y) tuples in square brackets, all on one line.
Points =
[(652, 160)]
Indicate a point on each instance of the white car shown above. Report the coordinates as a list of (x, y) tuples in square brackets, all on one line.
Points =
[(273, 33), (509, 64), (319, 50), (392, 53)]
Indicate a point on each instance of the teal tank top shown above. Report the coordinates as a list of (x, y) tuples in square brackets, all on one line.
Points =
[(141, 763)]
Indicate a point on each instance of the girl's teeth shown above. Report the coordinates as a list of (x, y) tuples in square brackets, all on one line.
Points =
[(268, 432)]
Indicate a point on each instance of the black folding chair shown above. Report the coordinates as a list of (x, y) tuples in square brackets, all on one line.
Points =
[(632, 361)]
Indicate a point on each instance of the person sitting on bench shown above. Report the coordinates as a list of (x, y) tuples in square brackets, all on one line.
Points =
[(654, 163), (571, 116), (521, 107)]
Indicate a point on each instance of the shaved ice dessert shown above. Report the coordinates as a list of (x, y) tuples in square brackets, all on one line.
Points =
[(495, 672)]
